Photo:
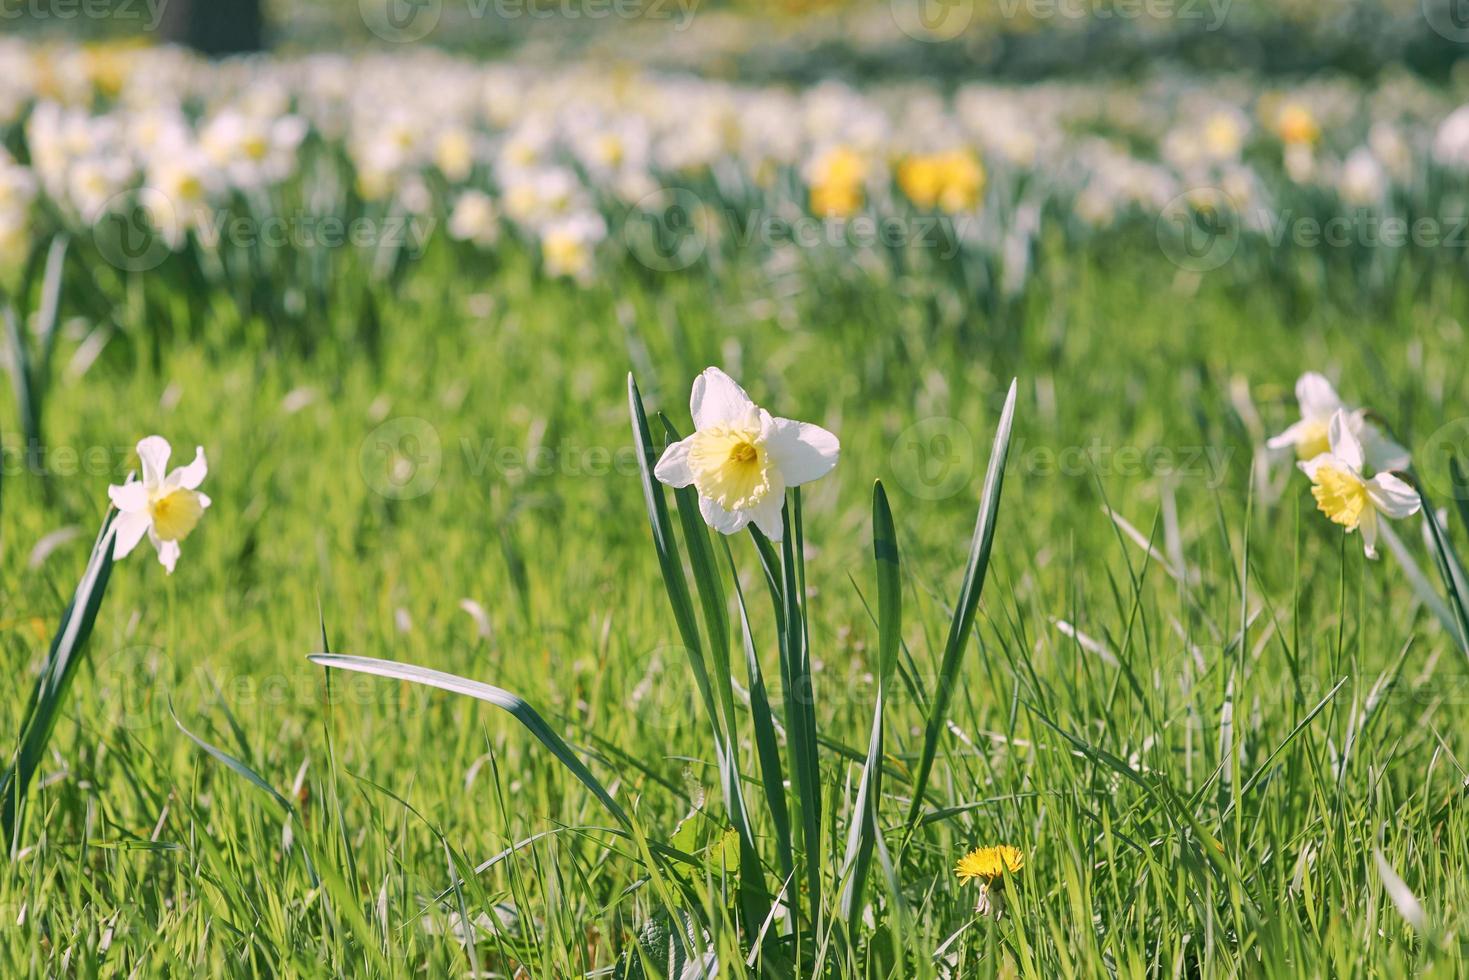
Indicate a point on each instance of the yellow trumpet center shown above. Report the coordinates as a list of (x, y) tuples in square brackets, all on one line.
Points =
[(175, 513), (1340, 495), (730, 466), (1314, 440)]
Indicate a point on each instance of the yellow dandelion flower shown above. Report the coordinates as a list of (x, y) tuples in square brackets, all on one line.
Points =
[(989, 863)]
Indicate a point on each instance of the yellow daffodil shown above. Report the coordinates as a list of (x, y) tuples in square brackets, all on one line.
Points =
[(1348, 498), (741, 459), (837, 178), (165, 506), (1295, 125), (1309, 437), (952, 181)]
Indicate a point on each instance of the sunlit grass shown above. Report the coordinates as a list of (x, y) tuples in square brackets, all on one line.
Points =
[(1200, 752)]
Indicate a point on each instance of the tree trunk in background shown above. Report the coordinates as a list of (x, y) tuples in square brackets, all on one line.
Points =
[(215, 27)]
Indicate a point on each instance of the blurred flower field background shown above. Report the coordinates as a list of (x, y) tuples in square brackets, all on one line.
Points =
[(834, 489)]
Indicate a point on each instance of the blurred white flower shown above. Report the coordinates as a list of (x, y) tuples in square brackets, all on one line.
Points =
[(165, 506), (741, 459), (1451, 142), (475, 219), (1311, 436)]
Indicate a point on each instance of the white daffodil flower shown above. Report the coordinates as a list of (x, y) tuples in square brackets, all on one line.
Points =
[(741, 458), (1309, 438), (165, 506), (1345, 496)]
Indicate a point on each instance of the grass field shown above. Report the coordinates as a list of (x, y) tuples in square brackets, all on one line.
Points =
[(1225, 767)]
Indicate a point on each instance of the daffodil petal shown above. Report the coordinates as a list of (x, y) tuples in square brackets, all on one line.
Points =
[(189, 477), (673, 467), (128, 529), (129, 497), (1368, 526), (1344, 442), (1393, 496), (168, 551), (803, 452), (1289, 437), (153, 454), (767, 516), (1310, 466), (1381, 451), (717, 400), (723, 521), (1316, 396)]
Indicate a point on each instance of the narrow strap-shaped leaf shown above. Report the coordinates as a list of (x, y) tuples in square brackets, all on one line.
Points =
[(964, 610), (863, 833), (800, 715), (499, 697), (49, 696)]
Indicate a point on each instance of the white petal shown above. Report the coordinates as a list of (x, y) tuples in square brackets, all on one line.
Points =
[(1344, 442), (1288, 438), (1368, 527), (1381, 451), (803, 452), (204, 500), (1393, 496), (129, 497), (673, 468), (127, 530), (723, 521), (153, 454), (1310, 466), (1316, 396), (168, 551), (717, 400), (189, 477), (767, 516)]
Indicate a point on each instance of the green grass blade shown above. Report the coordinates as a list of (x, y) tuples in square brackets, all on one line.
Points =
[(49, 695), (500, 698), (963, 622), (863, 833), (800, 716)]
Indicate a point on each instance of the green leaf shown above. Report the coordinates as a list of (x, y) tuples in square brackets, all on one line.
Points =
[(500, 698), (963, 622), (49, 695), (863, 832)]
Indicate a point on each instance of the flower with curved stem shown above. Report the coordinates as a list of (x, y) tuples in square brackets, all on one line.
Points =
[(741, 459), (988, 866), (1348, 498), (1318, 402), (165, 506)]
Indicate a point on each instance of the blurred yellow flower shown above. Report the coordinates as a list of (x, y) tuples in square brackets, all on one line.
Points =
[(1295, 125), (952, 181), (836, 178)]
